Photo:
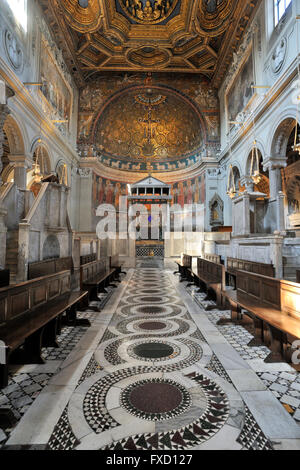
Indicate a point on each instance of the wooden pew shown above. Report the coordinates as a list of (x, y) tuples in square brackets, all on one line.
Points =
[(235, 264), (49, 266), (31, 314), (298, 276), (273, 303), (4, 277), (114, 263), (213, 258), (210, 276), (184, 265), (85, 259), (94, 277)]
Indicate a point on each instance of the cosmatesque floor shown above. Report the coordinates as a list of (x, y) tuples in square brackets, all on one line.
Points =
[(154, 372)]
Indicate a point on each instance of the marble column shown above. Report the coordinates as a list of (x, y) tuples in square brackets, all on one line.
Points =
[(274, 165), (23, 251), (4, 112), (21, 163)]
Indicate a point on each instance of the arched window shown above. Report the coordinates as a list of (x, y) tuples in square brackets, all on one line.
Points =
[(280, 6), (19, 9)]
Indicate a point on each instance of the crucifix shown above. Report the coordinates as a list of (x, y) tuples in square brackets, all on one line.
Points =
[(149, 123)]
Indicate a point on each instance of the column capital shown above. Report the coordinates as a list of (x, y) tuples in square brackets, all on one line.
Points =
[(274, 163), (21, 160), (248, 182)]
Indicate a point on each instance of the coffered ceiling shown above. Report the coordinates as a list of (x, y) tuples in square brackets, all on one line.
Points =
[(194, 36)]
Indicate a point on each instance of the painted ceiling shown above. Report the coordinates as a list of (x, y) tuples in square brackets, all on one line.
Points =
[(196, 36)]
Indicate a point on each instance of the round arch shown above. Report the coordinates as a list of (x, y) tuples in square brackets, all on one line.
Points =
[(247, 159), (280, 136), (15, 135)]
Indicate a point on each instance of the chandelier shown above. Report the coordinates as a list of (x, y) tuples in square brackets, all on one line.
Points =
[(254, 167)]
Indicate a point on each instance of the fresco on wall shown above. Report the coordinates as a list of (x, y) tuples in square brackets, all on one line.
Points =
[(105, 191), (241, 92), (57, 95), (191, 191)]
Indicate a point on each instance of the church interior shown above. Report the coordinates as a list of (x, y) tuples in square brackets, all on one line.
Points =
[(150, 225)]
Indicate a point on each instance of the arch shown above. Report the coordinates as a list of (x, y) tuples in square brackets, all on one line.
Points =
[(38, 142), (51, 247), (236, 176), (15, 136), (281, 136), (247, 158), (41, 156), (216, 209), (61, 169)]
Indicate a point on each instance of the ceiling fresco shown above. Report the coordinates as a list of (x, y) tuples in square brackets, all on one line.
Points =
[(196, 36)]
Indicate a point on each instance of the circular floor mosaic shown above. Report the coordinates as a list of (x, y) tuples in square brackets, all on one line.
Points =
[(152, 326), (153, 350), (157, 310), (155, 399)]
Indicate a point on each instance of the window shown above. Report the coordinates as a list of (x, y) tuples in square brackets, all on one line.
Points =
[(280, 7), (19, 9)]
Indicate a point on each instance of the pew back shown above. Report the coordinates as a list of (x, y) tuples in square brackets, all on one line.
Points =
[(50, 266), (85, 259), (275, 293), (21, 298), (91, 270), (235, 264), (114, 261), (212, 258), (207, 270), (186, 260)]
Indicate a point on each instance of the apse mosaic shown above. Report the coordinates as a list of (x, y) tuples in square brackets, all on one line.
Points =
[(165, 118), (148, 123)]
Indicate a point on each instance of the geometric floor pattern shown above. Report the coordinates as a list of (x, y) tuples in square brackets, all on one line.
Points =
[(145, 376), (285, 386)]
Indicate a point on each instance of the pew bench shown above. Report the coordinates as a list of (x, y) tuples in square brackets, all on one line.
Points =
[(274, 306), (31, 315), (85, 259), (49, 266), (209, 277), (95, 277), (235, 264), (184, 265), (114, 263)]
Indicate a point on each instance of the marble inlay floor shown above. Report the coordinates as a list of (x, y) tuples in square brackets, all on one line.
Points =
[(153, 372)]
